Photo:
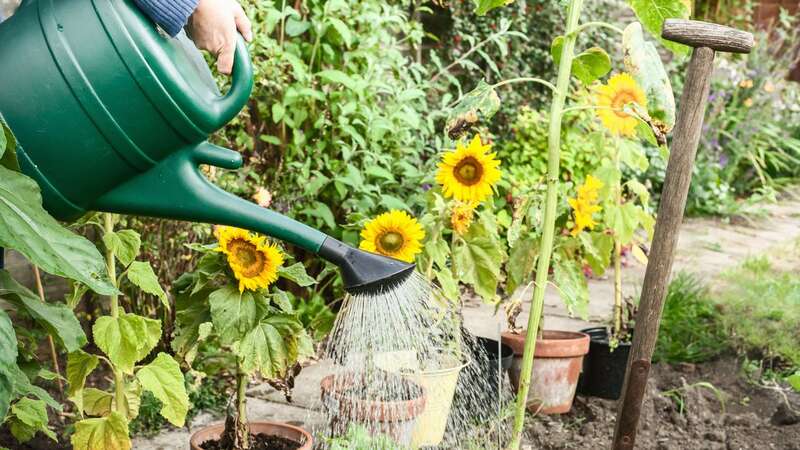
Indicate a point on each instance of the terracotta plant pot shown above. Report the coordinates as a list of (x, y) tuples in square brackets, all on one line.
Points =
[(556, 367), (297, 434), (395, 419)]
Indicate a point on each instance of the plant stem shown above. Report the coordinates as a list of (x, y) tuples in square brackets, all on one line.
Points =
[(111, 265), (551, 202), (120, 399), (241, 406), (546, 83), (467, 54), (615, 333), (53, 355), (605, 25)]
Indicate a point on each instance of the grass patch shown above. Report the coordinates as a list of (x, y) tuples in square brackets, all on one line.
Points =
[(691, 326), (760, 306)]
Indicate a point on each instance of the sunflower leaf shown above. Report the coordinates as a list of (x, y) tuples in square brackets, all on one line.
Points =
[(141, 274), (104, 433), (273, 346), (571, 283), (163, 377), (479, 104), (235, 313), (478, 257), (26, 227), (652, 14), (126, 339), (27, 418), (79, 365), (297, 273)]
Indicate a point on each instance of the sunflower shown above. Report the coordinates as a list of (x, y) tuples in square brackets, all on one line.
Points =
[(585, 204), (468, 173), (254, 261), (612, 98), (394, 234), (461, 217)]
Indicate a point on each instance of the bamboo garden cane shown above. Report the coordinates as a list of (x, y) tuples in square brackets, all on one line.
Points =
[(705, 39)]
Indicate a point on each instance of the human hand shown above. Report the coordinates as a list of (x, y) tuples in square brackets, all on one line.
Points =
[(213, 26)]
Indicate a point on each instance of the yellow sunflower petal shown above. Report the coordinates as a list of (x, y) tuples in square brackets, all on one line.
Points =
[(621, 90), (468, 174), (395, 234), (254, 262)]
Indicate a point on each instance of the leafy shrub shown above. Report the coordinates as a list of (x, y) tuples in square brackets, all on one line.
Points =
[(691, 326), (339, 120)]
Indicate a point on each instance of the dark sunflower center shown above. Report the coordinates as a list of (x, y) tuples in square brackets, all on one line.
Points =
[(251, 260), (468, 171), (620, 100), (391, 241)]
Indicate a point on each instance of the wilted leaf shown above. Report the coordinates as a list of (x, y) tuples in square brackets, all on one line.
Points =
[(643, 62), (479, 104), (273, 345), (79, 365), (478, 257), (597, 247), (105, 433), (521, 261), (97, 403), (26, 227), (163, 377)]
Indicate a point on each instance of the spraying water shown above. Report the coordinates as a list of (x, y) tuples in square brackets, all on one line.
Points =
[(408, 375)]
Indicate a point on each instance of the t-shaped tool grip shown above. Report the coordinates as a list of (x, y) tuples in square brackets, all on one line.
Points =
[(695, 33)]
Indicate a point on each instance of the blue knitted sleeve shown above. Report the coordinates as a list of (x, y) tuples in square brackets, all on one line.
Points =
[(171, 15)]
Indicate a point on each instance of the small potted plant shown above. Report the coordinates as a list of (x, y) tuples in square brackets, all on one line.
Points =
[(231, 298)]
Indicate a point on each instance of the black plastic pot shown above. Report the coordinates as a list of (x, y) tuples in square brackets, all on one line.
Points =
[(603, 369)]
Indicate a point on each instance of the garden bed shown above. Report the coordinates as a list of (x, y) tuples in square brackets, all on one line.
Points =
[(680, 413)]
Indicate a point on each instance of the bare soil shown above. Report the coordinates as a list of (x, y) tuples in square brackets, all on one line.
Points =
[(260, 442), (754, 416)]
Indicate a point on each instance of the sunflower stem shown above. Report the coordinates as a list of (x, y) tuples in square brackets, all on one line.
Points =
[(120, 400), (551, 202)]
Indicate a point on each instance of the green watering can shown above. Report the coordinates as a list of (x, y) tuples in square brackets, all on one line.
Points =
[(112, 115)]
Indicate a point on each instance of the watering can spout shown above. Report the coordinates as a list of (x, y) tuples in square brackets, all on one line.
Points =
[(176, 189)]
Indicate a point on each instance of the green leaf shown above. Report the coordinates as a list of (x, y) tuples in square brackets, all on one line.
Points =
[(568, 277), (126, 245), (633, 155), (56, 318), (234, 314), (22, 386), (392, 202), (521, 261), (342, 29), (8, 156), (26, 227), (322, 211), (191, 313), (591, 64), (126, 339), (794, 381), (448, 284), (79, 365), (297, 273), (623, 220), (27, 418), (141, 274), (105, 433), (640, 190), (479, 104), (8, 341), (597, 247), (281, 299), (163, 377), (652, 14), (478, 257), (273, 346), (643, 62), (337, 76), (97, 403), (296, 27), (484, 6)]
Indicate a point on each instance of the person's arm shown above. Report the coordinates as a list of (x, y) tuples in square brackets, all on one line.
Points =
[(213, 25), (170, 15)]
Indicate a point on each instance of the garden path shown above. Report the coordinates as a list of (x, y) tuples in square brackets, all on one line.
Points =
[(706, 247)]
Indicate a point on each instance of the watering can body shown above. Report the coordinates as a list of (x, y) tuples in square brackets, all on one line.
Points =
[(112, 115)]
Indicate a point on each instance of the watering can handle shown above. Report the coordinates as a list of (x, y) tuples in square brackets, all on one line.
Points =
[(226, 107)]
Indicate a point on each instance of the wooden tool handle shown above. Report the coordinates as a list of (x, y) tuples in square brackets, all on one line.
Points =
[(695, 33)]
